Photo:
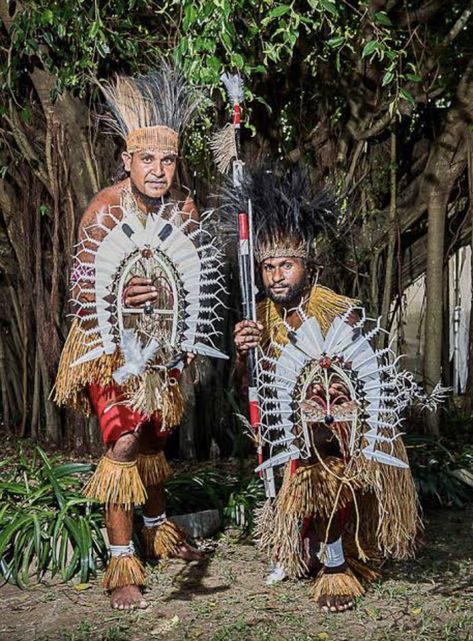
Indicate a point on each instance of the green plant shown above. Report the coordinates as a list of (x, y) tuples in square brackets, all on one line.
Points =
[(45, 522), (242, 502), (235, 497), (200, 490), (442, 475)]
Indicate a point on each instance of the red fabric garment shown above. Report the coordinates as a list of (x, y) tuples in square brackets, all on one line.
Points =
[(116, 418)]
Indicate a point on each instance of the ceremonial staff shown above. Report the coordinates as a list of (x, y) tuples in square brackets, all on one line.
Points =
[(231, 141)]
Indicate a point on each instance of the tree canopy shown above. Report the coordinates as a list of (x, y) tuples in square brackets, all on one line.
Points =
[(377, 96)]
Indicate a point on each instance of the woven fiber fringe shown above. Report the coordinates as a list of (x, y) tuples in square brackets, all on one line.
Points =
[(152, 393), (325, 305), (71, 382), (316, 490), (362, 570), (287, 545), (337, 584), (397, 509), (278, 533), (368, 511), (369, 546), (153, 468), (223, 147), (147, 394), (173, 407), (162, 541), (116, 483), (124, 570), (264, 525)]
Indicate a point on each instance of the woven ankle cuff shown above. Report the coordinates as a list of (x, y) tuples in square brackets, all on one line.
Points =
[(162, 541), (124, 570), (338, 584), (116, 483)]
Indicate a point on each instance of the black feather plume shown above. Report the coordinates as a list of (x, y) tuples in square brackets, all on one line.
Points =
[(288, 210)]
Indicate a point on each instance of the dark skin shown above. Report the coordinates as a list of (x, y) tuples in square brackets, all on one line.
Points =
[(151, 172), (151, 175), (286, 282)]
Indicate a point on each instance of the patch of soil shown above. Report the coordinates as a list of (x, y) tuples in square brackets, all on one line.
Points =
[(224, 598)]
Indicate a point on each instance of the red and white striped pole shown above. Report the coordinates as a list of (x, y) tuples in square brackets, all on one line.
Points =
[(247, 278)]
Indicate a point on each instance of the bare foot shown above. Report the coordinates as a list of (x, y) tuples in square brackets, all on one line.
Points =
[(128, 598), (188, 553), (338, 603)]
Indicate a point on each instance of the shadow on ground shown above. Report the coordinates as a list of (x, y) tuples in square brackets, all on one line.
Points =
[(224, 598)]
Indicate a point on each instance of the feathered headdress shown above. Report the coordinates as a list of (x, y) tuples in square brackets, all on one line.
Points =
[(288, 212), (151, 111)]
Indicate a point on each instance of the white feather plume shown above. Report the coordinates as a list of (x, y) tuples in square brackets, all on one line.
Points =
[(136, 356), (234, 86)]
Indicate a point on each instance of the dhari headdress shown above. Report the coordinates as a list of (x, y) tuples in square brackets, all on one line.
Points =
[(288, 212), (151, 111)]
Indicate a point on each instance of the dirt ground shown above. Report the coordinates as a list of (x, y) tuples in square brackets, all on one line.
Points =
[(224, 598)]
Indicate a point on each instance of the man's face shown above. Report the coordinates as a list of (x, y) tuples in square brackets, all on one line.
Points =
[(284, 278), (151, 172)]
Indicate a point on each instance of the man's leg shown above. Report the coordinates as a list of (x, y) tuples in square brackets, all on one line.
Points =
[(310, 494), (119, 522), (336, 587), (117, 483), (161, 537)]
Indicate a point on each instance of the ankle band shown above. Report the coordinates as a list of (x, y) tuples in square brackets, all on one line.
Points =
[(119, 550), (154, 521), (331, 554)]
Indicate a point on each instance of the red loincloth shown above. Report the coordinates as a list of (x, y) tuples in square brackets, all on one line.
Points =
[(116, 418)]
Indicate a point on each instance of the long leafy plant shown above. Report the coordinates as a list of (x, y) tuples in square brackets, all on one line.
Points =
[(47, 526), (443, 475), (45, 523)]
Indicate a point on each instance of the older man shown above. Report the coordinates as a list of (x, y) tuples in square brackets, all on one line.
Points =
[(150, 113)]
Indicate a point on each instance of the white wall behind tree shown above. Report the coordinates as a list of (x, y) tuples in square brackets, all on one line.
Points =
[(409, 336)]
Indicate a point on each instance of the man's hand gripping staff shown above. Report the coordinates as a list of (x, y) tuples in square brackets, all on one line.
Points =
[(234, 87)]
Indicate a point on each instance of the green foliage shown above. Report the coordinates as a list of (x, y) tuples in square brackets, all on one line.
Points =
[(295, 56), (443, 476), (200, 490), (45, 524), (235, 497), (242, 502), (78, 41)]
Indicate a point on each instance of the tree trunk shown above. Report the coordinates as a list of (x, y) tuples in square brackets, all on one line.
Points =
[(36, 404), (4, 387), (187, 449), (52, 431), (434, 296), (446, 163), (392, 237)]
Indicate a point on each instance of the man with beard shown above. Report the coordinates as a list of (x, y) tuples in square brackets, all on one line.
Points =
[(150, 112), (290, 218)]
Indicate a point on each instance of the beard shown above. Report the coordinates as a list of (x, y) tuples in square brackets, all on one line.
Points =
[(292, 293), (148, 201)]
